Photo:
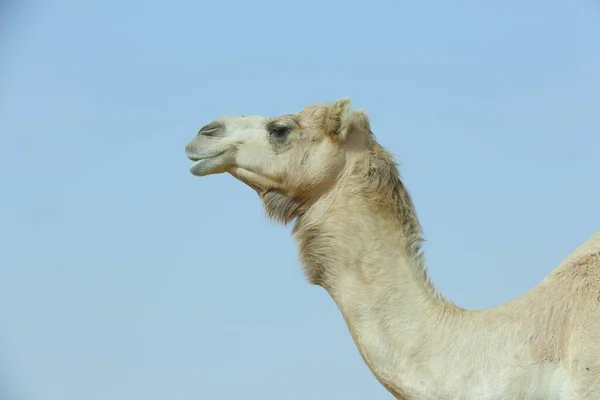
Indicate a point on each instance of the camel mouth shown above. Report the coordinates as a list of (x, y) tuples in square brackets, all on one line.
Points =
[(206, 163)]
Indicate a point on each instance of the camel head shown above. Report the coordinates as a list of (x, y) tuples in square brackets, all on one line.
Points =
[(290, 160)]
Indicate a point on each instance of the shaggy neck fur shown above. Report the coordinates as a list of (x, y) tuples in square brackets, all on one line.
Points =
[(370, 183), (380, 292)]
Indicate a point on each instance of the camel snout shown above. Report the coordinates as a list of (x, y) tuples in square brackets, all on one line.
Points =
[(214, 129)]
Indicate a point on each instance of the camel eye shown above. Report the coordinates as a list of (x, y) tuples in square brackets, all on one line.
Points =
[(279, 132)]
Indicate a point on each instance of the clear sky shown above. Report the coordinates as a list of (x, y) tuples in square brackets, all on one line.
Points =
[(124, 277)]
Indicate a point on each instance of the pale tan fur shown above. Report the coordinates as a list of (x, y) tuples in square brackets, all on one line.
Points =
[(360, 239)]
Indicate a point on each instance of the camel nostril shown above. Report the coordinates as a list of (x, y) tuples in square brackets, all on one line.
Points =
[(214, 129)]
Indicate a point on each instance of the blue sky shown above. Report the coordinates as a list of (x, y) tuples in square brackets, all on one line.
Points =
[(123, 276)]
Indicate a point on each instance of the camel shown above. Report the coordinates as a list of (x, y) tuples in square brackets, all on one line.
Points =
[(322, 172)]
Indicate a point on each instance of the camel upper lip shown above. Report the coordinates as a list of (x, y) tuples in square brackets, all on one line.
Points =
[(199, 156)]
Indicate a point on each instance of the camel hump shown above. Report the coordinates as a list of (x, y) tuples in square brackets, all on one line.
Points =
[(590, 246)]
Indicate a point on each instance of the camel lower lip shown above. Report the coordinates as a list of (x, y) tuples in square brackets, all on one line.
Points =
[(201, 167)]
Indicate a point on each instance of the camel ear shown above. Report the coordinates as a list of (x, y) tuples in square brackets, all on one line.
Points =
[(341, 120), (338, 118)]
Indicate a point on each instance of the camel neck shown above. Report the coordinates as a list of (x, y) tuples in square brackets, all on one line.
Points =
[(362, 258), (388, 307)]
